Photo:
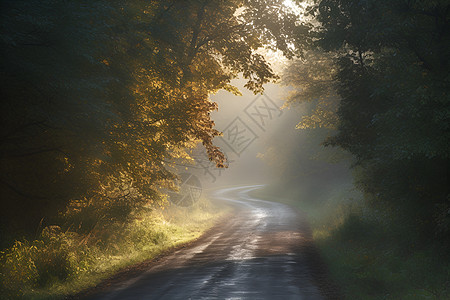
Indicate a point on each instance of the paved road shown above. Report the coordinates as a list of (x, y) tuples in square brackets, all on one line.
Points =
[(256, 254)]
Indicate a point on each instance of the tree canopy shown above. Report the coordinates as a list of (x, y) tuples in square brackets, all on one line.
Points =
[(389, 68), (99, 96)]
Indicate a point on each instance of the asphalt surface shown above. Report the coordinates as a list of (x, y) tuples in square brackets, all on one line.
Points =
[(257, 253)]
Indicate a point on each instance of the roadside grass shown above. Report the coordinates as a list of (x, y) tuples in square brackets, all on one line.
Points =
[(370, 255), (369, 261), (64, 263)]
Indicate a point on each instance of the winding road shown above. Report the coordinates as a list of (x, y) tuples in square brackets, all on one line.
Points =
[(257, 253)]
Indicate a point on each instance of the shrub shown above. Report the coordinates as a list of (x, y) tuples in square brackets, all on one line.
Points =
[(52, 260), (37, 264), (18, 270)]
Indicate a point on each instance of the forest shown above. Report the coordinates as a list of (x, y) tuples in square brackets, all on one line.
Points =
[(101, 99)]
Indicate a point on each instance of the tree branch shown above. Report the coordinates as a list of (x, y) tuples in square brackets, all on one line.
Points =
[(19, 192), (34, 152)]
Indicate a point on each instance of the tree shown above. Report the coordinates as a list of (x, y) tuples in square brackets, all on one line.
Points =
[(392, 60), (313, 79), (98, 96)]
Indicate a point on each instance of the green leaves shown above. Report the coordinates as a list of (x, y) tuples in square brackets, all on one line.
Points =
[(389, 63), (97, 90)]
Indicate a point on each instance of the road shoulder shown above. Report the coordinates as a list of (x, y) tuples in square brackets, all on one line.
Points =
[(136, 270)]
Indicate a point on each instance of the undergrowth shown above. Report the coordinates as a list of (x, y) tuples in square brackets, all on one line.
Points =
[(60, 263), (374, 254)]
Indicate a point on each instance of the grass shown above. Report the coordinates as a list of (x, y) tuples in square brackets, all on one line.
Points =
[(65, 263), (371, 261), (370, 254)]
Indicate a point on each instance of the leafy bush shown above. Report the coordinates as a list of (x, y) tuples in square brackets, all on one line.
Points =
[(372, 255), (18, 270), (64, 262), (52, 260), (37, 264)]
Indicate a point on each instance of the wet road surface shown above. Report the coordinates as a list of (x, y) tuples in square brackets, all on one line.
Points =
[(255, 254)]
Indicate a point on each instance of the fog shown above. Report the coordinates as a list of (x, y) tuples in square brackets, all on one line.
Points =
[(249, 123), (263, 146), (257, 119)]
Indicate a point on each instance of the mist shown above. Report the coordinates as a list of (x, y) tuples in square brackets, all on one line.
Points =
[(269, 150), (225, 148)]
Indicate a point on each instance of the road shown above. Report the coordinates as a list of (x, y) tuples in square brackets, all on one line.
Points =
[(258, 253)]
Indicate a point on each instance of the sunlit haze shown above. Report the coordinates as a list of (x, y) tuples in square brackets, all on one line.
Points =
[(225, 149)]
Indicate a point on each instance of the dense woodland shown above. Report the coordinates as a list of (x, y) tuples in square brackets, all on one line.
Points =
[(378, 73), (99, 97), (376, 81)]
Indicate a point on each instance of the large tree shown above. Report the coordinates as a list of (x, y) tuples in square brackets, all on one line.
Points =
[(392, 61), (97, 97)]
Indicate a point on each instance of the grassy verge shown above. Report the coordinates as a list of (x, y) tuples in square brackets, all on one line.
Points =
[(371, 254), (63, 263)]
